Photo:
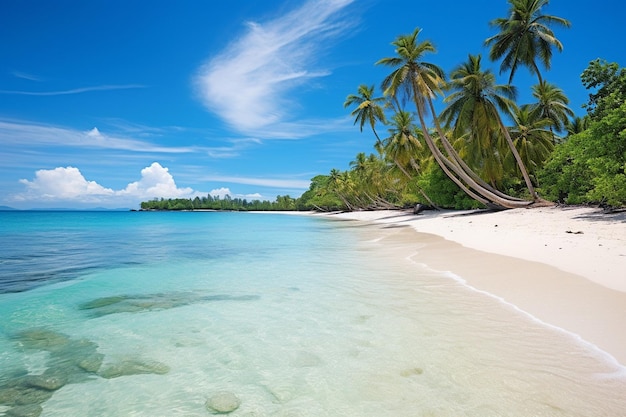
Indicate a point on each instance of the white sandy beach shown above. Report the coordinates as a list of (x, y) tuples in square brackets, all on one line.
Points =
[(564, 266)]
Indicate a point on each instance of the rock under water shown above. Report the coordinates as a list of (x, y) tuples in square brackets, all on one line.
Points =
[(223, 402), (152, 302), (133, 367), (69, 361)]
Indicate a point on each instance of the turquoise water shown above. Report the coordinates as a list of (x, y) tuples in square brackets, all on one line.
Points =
[(153, 314)]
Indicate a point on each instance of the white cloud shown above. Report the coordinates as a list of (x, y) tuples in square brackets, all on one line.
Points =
[(26, 76), (155, 181), (224, 191), (248, 84), (73, 90), (264, 182), (221, 192), (32, 134), (63, 184), (67, 184)]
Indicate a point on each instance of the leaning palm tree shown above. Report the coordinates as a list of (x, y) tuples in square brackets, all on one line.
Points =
[(422, 81), (525, 37), (474, 108), (369, 108), (552, 105)]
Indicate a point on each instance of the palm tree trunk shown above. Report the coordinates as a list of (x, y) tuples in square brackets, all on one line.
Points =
[(461, 163), (419, 189), (519, 161), (487, 197)]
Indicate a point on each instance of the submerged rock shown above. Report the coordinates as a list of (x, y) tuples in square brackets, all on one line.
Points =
[(42, 339), (23, 395), (69, 361), (133, 367), (31, 410), (151, 302), (45, 382), (91, 363), (223, 402)]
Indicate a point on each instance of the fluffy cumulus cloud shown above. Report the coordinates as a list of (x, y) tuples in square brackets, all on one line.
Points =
[(68, 185), (225, 191), (249, 83), (155, 181), (63, 184), (221, 192)]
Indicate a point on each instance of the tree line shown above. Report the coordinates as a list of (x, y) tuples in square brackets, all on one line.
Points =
[(484, 149), (210, 202)]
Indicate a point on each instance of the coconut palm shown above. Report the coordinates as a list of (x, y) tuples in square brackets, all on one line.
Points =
[(403, 146), (337, 185), (577, 125), (525, 37), (552, 105), (422, 81), (369, 109), (531, 136), (474, 110)]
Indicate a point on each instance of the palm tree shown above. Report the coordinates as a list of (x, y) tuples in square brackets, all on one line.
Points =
[(474, 110), (525, 37), (369, 108), (404, 147), (336, 184), (532, 137), (422, 81), (577, 125), (552, 105)]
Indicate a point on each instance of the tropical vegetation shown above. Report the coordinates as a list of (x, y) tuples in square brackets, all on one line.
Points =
[(483, 149)]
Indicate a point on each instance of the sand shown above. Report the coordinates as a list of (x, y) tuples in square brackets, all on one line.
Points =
[(563, 266)]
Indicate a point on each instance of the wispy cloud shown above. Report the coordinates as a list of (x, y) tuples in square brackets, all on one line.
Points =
[(26, 76), (31, 134), (264, 182), (73, 90), (248, 84)]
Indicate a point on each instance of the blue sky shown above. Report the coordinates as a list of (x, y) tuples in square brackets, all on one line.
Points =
[(105, 103)]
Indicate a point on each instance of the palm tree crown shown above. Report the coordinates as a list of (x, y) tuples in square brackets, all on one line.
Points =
[(524, 37), (369, 108), (552, 104), (476, 99), (473, 111), (417, 79)]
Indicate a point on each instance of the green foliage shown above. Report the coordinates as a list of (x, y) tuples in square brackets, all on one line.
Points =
[(216, 203), (319, 196), (609, 83), (443, 192), (591, 166)]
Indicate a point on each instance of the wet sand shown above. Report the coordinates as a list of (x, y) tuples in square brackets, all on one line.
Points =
[(566, 267)]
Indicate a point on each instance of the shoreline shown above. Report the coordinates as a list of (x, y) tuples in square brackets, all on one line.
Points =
[(565, 267)]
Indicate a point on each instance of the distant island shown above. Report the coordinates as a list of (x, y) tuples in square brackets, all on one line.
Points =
[(227, 203)]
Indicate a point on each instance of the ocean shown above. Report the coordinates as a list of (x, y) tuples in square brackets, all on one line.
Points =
[(264, 314)]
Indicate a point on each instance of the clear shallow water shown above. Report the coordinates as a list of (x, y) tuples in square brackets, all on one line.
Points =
[(150, 314)]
